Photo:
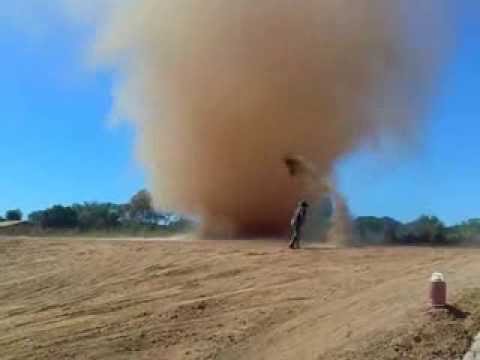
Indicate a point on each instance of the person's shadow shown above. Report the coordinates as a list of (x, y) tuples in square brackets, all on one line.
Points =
[(456, 312)]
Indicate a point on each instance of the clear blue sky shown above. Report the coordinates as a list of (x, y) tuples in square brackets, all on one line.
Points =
[(56, 143), (57, 146)]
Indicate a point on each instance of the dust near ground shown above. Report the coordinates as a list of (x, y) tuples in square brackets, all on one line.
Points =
[(82, 299)]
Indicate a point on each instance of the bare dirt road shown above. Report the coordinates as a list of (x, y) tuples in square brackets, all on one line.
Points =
[(80, 299)]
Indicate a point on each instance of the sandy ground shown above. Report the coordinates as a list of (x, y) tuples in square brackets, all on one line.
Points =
[(80, 299)]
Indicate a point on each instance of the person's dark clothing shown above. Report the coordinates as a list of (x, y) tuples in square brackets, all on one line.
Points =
[(297, 222)]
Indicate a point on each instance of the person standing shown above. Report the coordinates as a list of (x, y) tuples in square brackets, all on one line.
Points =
[(297, 222)]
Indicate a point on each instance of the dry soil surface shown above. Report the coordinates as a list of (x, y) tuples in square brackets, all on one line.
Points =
[(84, 299)]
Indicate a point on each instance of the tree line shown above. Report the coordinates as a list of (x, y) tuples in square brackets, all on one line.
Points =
[(139, 213), (428, 230)]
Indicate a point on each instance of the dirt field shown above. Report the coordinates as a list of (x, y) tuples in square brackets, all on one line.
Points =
[(79, 299)]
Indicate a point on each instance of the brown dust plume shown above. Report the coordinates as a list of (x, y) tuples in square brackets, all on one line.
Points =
[(222, 91)]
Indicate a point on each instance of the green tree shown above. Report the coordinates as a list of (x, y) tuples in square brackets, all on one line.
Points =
[(375, 229), (59, 217), (36, 217), (141, 207), (427, 230), (14, 215), (466, 231), (97, 215)]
